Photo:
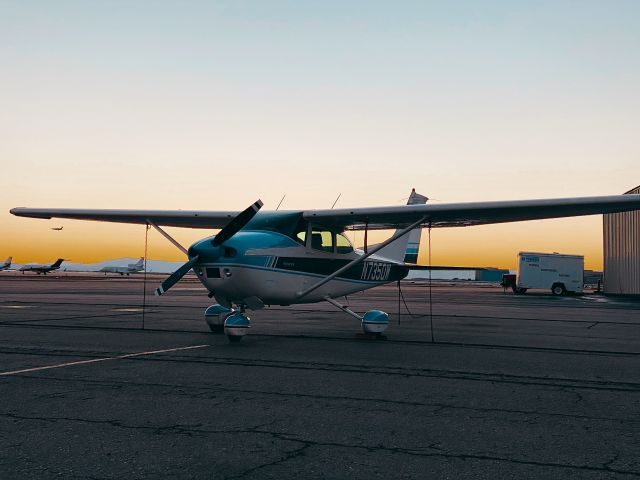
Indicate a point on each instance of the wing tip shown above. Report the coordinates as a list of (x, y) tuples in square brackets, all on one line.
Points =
[(25, 212)]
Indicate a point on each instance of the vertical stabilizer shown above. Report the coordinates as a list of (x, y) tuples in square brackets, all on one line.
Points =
[(406, 248), (138, 264), (57, 263)]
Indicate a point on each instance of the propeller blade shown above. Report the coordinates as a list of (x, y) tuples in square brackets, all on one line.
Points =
[(176, 276), (236, 224)]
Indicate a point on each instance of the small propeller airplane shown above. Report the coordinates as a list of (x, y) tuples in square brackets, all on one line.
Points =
[(41, 268), (293, 257)]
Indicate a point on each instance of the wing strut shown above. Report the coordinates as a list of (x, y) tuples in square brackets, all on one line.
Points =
[(360, 259), (168, 237), (366, 231)]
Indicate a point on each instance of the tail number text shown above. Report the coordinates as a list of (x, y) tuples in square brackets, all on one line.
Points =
[(375, 271)]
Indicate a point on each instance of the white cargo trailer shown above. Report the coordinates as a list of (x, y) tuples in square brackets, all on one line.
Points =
[(558, 272)]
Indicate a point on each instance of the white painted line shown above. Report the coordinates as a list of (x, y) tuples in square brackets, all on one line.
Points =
[(95, 360)]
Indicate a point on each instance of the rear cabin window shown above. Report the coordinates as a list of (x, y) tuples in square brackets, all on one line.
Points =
[(343, 245)]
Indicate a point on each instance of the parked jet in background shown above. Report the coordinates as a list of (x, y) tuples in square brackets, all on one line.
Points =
[(131, 268), (42, 268), (6, 264)]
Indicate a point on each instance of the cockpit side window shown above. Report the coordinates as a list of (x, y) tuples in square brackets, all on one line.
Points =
[(343, 245), (322, 240)]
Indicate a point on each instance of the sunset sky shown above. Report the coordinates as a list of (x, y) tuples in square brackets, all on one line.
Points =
[(210, 105)]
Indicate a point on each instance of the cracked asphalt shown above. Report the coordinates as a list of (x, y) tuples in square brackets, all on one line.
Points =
[(520, 387)]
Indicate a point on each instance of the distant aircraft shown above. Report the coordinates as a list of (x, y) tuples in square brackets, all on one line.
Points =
[(41, 268), (6, 264), (57, 228), (131, 268), (292, 257)]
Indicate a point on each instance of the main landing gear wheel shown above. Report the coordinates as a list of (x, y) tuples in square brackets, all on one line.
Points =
[(236, 326), (217, 329), (374, 323), (215, 316), (558, 289)]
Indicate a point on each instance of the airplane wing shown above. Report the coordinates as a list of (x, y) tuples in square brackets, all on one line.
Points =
[(170, 218), (467, 214), (374, 218)]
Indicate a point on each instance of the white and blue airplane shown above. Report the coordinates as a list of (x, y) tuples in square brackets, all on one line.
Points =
[(41, 268), (294, 257), (129, 269), (6, 264)]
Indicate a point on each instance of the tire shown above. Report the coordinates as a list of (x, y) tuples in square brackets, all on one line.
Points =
[(558, 289), (216, 328), (519, 290), (234, 338)]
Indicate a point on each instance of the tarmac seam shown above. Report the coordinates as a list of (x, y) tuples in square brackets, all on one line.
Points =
[(562, 383), (206, 390), (439, 343)]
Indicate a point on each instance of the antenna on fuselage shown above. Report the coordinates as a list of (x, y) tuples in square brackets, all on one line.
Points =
[(281, 200), (334, 203)]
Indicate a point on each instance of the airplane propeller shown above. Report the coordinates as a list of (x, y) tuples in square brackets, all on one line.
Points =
[(233, 227), (176, 276), (237, 223)]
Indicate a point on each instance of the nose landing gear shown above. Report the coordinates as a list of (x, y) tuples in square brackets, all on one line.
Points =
[(234, 324), (215, 315)]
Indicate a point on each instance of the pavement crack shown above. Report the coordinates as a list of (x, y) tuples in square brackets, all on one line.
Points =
[(298, 452)]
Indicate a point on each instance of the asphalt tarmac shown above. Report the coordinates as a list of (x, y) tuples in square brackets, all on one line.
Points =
[(524, 387)]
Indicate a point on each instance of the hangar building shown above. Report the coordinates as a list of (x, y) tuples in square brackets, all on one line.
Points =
[(622, 252)]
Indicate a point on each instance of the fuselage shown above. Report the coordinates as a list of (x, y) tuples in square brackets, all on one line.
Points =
[(275, 267), (39, 268), (133, 268)]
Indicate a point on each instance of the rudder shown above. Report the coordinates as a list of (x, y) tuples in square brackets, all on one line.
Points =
[(406, 249)]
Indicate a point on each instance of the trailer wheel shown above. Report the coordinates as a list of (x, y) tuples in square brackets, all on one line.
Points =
[(558, 289), (519, 290)]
